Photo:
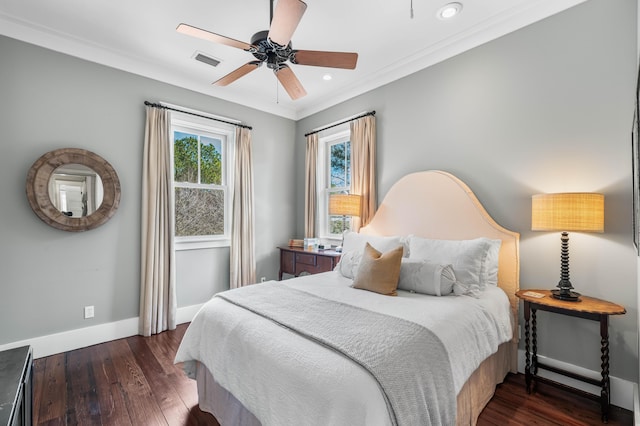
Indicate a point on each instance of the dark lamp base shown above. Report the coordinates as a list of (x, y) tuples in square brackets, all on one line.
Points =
[(570, 296)]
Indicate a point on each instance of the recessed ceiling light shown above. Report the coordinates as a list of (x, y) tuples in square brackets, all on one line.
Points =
[(450, 10), (327, 77)]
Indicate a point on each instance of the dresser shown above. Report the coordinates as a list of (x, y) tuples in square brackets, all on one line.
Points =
[(16, 387), (295, 261)]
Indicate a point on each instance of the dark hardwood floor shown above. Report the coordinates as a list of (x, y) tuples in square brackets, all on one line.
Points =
[(549, 405), (133, 381), (130, 381)]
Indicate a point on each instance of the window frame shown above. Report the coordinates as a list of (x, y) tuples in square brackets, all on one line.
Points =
[(187, 123), (341, 134)]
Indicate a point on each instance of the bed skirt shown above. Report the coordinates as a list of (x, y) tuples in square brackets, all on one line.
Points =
[(471, 400)]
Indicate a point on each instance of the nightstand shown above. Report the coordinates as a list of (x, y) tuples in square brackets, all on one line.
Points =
[(294, 261), (587, 308)]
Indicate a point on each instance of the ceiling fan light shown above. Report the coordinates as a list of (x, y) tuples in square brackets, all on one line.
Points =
[(449, 10)]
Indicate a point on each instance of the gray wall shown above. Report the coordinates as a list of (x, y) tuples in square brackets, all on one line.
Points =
[(48, 101), (545, 109)]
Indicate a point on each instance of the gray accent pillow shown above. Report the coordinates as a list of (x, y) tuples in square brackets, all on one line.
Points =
[(435, 279), (422, 276)]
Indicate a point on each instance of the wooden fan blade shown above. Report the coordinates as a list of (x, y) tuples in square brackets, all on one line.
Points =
[(325, 59), (208, 35), (236, 74), (290, 82), (286, 18)]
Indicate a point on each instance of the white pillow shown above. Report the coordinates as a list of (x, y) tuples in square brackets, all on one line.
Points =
[(491, 262), (424, 277), (475, 262), (353, 247), (353, 241), (349, 263)]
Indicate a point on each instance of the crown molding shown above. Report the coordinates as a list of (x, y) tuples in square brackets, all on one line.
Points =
[(481, 33)]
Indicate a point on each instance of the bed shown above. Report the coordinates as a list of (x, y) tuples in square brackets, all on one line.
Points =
[(255, 364)]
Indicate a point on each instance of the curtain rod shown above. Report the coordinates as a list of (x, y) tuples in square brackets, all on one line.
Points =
[(151, 104), (342, 122)]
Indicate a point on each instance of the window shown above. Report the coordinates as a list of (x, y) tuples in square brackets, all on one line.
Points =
[(202, 155), (334, 170)]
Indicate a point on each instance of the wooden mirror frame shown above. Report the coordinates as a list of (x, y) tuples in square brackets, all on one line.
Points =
[(38, 189)]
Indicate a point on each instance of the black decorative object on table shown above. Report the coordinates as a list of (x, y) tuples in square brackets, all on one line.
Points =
[(565, 287)]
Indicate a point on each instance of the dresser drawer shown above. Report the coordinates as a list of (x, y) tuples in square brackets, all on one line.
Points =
[(288, 262), (294, 261), (306, 259), (308, 269), (322, 264), (325, 263)]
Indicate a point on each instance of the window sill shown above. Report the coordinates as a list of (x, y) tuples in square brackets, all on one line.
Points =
[(199, 245)]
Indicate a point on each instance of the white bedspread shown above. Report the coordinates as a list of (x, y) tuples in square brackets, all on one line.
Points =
[(284, 379)]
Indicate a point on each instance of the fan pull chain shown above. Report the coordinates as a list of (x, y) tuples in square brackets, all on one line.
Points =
[(411, 9)]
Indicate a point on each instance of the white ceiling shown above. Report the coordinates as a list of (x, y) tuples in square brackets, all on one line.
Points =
[(139, 36)]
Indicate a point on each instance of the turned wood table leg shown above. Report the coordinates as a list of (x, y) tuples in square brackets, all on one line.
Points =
[(605, 395), (527, 363), (534, 346)]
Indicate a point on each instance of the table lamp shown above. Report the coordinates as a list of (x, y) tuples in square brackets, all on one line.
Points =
[(573, 211), (344, 205)]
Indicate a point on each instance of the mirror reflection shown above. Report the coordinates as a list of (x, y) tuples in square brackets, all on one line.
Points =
[(75, 190)]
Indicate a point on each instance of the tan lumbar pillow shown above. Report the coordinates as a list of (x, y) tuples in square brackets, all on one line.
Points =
[(379, 272)]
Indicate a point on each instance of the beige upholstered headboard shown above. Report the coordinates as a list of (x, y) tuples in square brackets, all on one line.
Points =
[(436, 204)]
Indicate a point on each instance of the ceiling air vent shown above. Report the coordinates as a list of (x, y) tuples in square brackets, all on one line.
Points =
[(206, 59)]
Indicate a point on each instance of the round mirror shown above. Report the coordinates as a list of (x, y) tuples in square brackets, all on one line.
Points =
[(73, 189)]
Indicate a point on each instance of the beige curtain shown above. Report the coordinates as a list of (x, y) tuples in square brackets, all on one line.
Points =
[(243, 263), (363, 174), (157, 287), (310, 194)]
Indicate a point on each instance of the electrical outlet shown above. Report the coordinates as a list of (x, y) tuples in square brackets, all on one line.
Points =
[(88, 312), (263, 279)]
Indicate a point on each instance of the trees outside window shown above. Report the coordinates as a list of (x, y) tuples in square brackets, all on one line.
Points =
[(201, 159), (334, 157), (340, 182)]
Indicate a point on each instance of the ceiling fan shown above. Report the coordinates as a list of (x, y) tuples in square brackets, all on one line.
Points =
[(273, 47)]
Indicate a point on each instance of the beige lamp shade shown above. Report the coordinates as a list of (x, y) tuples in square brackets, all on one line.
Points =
[(344, 204), (569, 211)]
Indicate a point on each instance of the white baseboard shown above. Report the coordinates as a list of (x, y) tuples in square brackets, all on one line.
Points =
[(187, 313), (88, 336), (621, 389), (636, 405)]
